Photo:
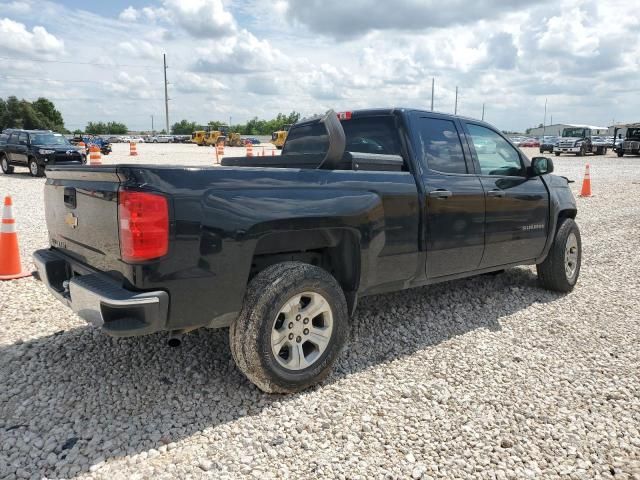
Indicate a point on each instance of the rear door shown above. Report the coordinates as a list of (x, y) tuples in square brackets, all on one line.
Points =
[(454, 198), (517, 207), (20, 149)]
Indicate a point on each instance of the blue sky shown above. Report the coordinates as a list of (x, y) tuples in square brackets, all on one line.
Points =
[(246, 58)]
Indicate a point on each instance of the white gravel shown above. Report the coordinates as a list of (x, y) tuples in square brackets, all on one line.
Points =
[(490, 377)]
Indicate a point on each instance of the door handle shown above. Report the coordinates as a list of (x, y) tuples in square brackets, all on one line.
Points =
[(440, 194), (495, 193)]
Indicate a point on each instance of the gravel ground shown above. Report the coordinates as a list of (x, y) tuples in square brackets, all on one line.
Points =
[(490, 377)]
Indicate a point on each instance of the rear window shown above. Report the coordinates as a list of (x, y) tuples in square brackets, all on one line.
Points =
[(308, 139), (3, 138), (363, 135)]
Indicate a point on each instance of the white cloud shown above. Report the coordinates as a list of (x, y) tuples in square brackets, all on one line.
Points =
[(15, 37), (129, 14), (249, 58), (16, 7), (130, 86), (188, 82), (239, 54), (139, 49)]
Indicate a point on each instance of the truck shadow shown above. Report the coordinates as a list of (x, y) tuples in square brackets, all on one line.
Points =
[(75, 398)]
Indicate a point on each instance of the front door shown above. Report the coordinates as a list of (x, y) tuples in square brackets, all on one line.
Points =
[(454, 199), (517, 206)]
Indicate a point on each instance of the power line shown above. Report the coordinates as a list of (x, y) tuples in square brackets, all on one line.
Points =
[(51, 79), (79, 63)]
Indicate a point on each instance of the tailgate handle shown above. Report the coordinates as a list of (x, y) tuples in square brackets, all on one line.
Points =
[(70, 197)]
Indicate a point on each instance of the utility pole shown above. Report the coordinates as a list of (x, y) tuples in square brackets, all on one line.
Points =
[(455, 110), (483, 112), (166, 93), (152, 129), (433, 88), (544, 122)]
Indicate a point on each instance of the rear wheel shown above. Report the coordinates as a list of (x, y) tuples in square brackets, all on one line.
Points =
[(561, 268), (557, 154), (34, 169), (620, 153), (4, 164), (291, 329)]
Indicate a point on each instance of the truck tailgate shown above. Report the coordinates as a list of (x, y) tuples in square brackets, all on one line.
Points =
[(81, 208)]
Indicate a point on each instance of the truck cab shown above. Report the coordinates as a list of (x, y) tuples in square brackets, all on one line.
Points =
[(631, 143), (578, 140)]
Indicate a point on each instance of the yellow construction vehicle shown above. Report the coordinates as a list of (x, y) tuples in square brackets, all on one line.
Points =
[(278, 138), (213, 137), (199, 137)]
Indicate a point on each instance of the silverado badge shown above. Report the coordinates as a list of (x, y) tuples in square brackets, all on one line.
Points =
[(71, 220)]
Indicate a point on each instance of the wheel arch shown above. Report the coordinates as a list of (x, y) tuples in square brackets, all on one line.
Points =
[(336, 250)]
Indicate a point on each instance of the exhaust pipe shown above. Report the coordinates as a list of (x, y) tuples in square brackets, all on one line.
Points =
[(174, 340)]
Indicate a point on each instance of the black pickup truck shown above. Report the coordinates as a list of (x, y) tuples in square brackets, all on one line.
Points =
[(279, 249), (36, 149)]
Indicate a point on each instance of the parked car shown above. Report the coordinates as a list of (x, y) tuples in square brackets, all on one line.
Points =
[(281, 254), (161, 139), (530, 143), (252, 140), (547, 143), (37, 149)]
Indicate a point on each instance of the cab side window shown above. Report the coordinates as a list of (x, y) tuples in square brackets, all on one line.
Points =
[(496, 156), (441, 147), (23, 139)]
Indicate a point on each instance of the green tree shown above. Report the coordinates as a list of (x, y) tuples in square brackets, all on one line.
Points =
[(110, 128), (40, 114), (48, 110), (116, 128), (184, 127)]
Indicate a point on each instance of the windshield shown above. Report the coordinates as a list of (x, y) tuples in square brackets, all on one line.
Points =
[(574, 132), (49, 139), (633, 133)]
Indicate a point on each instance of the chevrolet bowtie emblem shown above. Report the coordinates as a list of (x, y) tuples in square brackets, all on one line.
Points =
[(71, 220)]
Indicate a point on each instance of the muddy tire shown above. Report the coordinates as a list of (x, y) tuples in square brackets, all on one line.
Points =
[(560, 270), (291, 329)]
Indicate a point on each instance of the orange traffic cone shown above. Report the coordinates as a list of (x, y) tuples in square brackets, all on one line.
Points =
[(10, 267), (83, 147), (249, 149), (133, 149), (273, 153), (586, 183), (94, 155), (220, 149)]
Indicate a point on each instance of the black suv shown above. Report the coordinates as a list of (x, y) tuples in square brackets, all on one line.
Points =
[(35, 149)]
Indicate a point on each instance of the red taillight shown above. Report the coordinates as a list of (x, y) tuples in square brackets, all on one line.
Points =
[(144, 225), (344, 116)]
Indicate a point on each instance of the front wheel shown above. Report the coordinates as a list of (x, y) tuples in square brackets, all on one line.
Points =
[(4, 164), (291, 329), (620, 153), (561, 268), (34, 169), (557, 154)]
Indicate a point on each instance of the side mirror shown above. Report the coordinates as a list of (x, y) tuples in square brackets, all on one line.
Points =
[(541, 166)]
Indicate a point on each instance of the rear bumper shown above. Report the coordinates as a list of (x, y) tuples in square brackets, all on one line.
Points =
[(99, 299)]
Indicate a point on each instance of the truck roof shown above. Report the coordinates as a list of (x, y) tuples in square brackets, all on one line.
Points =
[(392, 110)]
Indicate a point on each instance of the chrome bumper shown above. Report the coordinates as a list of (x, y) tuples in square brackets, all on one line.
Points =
[(99, 299)]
